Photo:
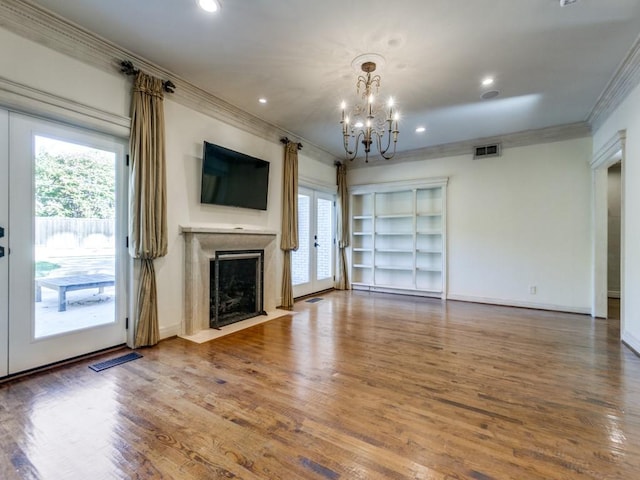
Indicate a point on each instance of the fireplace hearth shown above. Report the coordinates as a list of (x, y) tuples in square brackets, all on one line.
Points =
[(236, 279)]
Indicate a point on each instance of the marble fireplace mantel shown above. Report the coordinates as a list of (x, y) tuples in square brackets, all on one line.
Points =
[(201, 244)]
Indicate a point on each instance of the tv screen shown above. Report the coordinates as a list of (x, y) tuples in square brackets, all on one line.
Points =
[(233, 178)]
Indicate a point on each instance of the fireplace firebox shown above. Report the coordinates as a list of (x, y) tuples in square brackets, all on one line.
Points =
[(236, 293)]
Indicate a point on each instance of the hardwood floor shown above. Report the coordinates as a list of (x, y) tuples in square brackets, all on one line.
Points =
[(356, 386)]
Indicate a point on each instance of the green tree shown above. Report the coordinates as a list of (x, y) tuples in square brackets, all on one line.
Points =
[(75, 185)]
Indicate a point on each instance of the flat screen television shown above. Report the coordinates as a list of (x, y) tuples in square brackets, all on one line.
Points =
[(233, 179)]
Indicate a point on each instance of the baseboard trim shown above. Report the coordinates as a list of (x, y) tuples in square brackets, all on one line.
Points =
[(631, 342), (169, 331), (519, 304)]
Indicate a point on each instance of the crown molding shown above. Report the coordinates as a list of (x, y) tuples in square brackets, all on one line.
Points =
[(35, 23), (510, 140), (624, 80), (608, 153)]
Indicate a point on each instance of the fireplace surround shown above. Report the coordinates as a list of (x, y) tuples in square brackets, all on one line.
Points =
[(201, 246)]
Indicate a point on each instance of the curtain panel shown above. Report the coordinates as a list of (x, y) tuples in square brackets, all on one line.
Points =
[(289, 234), (344, 232), (148, 199)]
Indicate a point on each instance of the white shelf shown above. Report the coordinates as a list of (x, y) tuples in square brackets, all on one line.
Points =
[(394, 267), (399, 215), (405, 252)]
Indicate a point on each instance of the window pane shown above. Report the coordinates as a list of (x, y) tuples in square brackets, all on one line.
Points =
[(324, 239), (300, 258)]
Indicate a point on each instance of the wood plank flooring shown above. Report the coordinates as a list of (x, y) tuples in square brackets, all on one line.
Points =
[(356, 386)]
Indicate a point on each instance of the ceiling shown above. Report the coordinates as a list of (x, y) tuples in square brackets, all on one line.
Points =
[(550, 63)]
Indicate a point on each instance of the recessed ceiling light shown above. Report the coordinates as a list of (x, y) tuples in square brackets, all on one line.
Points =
[(262, 100), (421, 129), (487, 81), (490, 94), (209, 5)]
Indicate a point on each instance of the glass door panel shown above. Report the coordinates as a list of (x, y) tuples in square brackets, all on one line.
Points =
[(324, 241), (300, 259), (74, 236)]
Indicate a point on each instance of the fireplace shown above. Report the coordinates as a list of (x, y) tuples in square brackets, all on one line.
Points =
[(235, 286), (202, 244)]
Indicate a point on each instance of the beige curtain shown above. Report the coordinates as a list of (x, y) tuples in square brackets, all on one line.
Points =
[(148, 199), (289, 235), (342, 282)]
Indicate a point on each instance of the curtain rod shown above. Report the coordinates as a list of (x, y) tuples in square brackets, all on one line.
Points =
[(285, 140), (126, 67)]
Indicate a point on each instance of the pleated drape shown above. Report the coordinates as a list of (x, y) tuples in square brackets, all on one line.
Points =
[(289, 234), (148, 199), (344, 233)]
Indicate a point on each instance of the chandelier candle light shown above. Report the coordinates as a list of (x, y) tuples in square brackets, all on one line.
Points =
[(366, 127)]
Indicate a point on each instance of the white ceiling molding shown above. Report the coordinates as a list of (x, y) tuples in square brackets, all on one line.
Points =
[(37, 102), (510, 140), (625, 79), (39, 25)]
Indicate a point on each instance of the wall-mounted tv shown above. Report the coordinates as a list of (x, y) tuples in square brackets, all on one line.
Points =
[(233, 179)]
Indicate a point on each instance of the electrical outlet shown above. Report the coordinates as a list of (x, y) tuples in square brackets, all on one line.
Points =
[(533, 289)]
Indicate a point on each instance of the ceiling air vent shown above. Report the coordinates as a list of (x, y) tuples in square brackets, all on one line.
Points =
[(484, 151)]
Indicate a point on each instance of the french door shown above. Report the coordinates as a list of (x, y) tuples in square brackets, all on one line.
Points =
[(63, 273), (312, 265)]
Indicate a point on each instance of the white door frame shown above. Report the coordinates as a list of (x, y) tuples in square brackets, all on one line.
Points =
[(4, 242), (611, 153), (24, 350), (306, 185)]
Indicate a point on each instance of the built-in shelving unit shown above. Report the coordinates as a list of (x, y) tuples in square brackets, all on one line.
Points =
[(399, 237)]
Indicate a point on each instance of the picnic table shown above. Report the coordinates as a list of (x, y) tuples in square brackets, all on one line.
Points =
[(70, 283)]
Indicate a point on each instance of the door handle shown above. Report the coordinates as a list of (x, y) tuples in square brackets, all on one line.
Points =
[(316, 244)]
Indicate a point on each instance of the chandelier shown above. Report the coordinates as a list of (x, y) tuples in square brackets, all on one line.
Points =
[(369, 123)]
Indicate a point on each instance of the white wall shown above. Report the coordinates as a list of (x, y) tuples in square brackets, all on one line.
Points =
[(185, 132), (32, 65), (514, 221), (627, 117), (35, 66)]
